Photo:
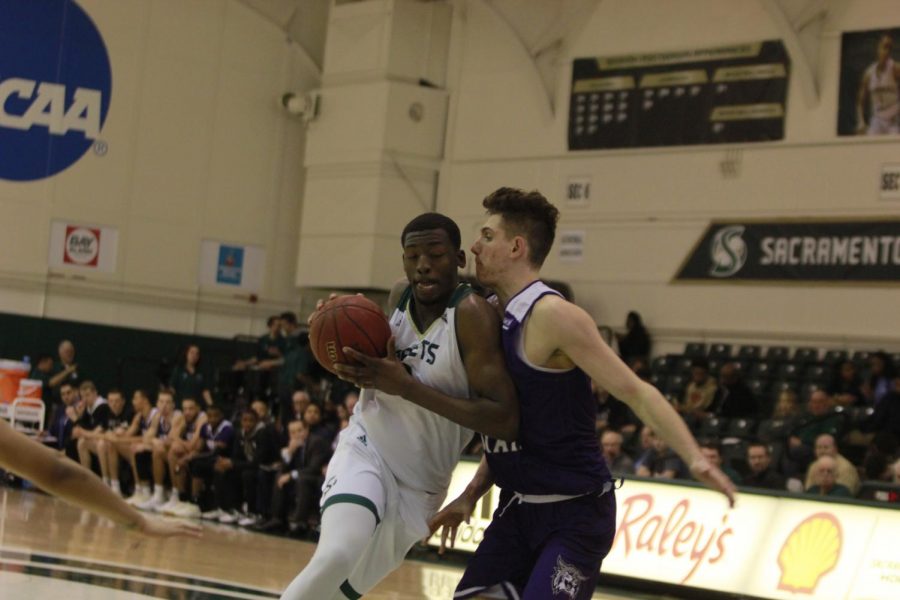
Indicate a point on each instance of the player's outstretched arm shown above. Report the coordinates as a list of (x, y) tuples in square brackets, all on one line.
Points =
[(558, 325), (69, 480), (493, 410), (451, 516)]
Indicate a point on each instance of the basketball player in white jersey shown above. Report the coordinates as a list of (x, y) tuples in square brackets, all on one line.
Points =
[(880, 84), (393, 463)]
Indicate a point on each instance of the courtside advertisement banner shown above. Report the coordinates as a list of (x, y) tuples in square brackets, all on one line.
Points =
[(765, 547), (55, 87), (799, 251), (81, 247), (700, 96), (869, 94)]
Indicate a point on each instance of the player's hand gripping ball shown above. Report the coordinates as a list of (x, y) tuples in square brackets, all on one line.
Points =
[(353, 321)]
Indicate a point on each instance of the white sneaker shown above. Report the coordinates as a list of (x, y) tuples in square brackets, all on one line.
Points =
[(137, 499), (187, 510), (152, 504), (248, 521), (169, 507), (212, 515), (229, 518)]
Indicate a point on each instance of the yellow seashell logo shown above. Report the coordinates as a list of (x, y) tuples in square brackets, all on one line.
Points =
[(810, 551)]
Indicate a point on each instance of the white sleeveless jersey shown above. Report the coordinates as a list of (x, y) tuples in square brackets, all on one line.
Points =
[(883, 89), (420, 447)]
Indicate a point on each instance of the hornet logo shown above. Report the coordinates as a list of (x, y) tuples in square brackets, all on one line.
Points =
[(728, 251)]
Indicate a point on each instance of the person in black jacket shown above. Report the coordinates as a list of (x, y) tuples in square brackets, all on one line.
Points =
[(299, 479), (733, 399), (237, 479), (636, 342), (761, 474)]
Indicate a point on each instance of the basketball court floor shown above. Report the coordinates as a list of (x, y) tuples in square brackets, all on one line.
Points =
[(50, 549)]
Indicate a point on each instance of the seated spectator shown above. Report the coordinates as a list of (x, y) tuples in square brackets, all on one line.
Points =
[(312, 416), (187, 443), (880, 380), (299, 401), (162, 434), (824, 480), (91, 424), (613, 413), (295, 368), (618, 462), (699, 394), (820, 418), (636, 341), (712, 451), (188, 380), (65, 415), (644, 448), (351, 399), (126, 445), (846, 385), (733, 399), (762, 475), (238, 480), (66, 370), (261, 408), (218, 442), (886, 417), (662, 462), (787, 406), (117, 424), (846, 474), (299, 480)]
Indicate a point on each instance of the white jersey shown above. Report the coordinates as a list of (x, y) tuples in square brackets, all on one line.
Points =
[(420, 447), (884, 92)]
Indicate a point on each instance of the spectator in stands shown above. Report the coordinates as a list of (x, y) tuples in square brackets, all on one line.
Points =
[(846, 474), (312, 416), (270, 346), (712, 451), (91, 424), (42, 371), (127, 444), (734, 400), (261, 408), (846, 385), (294, 368), (886, 417), (351, 398), (618, 462), (662, 462), (636, 341), (217, 442), (613, 413), (117, 424), (699, 394), (299, 401), (824, 479), (187, 443), (644, 448), (66, 370), (239, 481), (299, 479), (880, 381), (188, 380), (787, 406), (820, 418), (895, 470), (63, 421), (161, 436), (761, 474)]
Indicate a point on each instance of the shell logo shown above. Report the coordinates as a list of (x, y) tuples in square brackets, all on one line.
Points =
[(810, 551)]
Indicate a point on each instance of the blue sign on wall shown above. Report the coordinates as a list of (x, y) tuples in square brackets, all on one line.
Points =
[(230, 267), (55, 87)]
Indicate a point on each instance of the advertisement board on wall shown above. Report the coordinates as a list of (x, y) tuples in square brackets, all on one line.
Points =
[(766, 546)]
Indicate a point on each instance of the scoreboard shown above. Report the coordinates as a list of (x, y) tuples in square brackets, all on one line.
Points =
[(706, 96)]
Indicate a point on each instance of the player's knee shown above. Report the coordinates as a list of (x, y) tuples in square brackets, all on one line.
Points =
[(336, 559)]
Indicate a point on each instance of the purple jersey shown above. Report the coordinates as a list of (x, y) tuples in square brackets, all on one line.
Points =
[(557, 451)]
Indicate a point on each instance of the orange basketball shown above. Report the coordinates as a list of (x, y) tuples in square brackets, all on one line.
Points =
[(348, 321)]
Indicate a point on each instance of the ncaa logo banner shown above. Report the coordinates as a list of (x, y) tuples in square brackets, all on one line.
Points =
[(55, 87), (807, 250)]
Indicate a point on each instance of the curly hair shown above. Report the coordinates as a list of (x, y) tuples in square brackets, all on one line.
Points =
[(528, 214)]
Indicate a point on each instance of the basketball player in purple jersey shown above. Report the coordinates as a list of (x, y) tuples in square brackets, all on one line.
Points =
[(557, 515)]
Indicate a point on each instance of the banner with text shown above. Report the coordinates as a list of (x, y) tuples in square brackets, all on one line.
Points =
[(828, 251), (766, 547), (699, 96), (83, 247)]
